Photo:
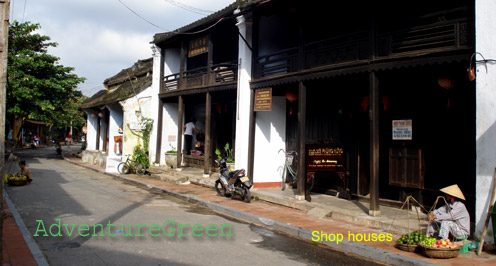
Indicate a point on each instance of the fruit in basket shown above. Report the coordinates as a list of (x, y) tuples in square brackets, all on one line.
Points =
[(414, 238), (428, 241)]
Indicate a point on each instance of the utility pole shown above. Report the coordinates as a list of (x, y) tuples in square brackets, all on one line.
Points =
[(4, 37)]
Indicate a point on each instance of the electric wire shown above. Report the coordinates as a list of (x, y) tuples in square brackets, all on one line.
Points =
[(176, 32), (12, 10), (134, 12), (24, 11), (190, 8)]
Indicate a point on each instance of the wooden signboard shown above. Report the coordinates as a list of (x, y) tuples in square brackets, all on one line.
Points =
[(198, 46), (263, 100), (325, 158)]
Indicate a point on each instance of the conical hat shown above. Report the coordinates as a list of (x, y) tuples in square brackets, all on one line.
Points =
[(454, 191)]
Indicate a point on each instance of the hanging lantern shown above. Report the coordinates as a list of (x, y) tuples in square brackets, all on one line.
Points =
[(385, 102), (291, 96), (93, 115), (365, 103), (446, 82), (471, 73), (100, 114)]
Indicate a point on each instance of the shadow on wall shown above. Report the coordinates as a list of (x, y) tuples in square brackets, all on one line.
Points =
[(485, 168)]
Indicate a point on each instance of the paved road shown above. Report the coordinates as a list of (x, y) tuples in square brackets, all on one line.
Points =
[(68, 194)]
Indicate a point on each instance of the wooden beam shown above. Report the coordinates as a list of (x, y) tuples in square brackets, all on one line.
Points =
[(302, 113), (182, 64), (207, 147), (159, 130), (251, 137), (374, 144), (180, 111), (160, 109)]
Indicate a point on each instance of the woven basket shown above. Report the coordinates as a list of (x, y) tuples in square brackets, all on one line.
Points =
[(17, 182), (441, 253), (409, 248)]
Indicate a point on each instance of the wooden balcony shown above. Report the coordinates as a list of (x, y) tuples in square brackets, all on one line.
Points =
[(356, 48), (216, 75)]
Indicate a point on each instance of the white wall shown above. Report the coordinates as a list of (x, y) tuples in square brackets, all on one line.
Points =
[(170, 127), (243, 95), (485, 113), (172, 63), (91, 127), (129, 106), (270, 137), (116, 120)]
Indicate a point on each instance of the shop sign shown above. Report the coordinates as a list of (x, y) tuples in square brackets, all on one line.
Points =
[(402, 129), (198, 46), (263, 100), (325, 158)]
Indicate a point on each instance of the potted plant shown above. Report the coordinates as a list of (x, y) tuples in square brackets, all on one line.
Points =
[(228, 151), (171, 157), (229, 156)]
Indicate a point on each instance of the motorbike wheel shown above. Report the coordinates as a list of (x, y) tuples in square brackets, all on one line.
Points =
[(140, 169), (247, 197), (220, 189), (123, 168)]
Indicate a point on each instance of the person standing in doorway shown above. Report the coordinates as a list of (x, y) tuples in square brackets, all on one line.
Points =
[(188, 129)]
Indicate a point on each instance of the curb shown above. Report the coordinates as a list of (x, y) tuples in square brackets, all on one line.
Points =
[(33, 246), (344, 246)]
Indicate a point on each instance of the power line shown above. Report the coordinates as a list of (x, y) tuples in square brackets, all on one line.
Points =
[(12, 10), (141, 16), (24, 11), (190, 8)]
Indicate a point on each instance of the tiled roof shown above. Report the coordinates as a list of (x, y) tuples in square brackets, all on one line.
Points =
[(127, 83), (227, 11)]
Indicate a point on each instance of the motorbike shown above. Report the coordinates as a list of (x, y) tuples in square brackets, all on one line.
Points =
[(232, 183)]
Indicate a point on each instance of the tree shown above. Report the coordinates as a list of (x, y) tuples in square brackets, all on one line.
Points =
[(38, 86)]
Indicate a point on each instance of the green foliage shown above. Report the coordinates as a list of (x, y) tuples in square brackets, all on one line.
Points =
[(229, 154), (172, 149), (219, 157), (38, 87), (140, 155), (146, 130)]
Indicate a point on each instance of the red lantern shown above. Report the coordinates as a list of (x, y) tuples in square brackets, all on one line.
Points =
[(291, 96), (365, 103), (446, 82), (385, 102)]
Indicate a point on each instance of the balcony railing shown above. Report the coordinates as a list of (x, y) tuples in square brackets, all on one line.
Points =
[(356, 47), (219, 74)]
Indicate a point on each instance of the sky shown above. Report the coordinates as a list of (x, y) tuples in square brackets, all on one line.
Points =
[(99, 38)]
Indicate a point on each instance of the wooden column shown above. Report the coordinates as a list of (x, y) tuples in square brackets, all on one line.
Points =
[(159, 130), (180, 111), (160, 109), (374, 144), (181, 84), (210, 60), (302, 113), (208, 120), (251, 137)]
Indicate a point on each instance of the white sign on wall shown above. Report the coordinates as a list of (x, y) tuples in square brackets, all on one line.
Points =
[(402, 129)]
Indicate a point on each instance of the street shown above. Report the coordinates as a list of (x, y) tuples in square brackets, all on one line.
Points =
[(81, 217)]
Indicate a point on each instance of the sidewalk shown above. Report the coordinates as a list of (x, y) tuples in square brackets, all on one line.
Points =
[(275, 209)]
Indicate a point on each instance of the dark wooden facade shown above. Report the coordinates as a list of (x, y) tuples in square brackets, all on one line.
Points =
[(350, 55), (206, 80)]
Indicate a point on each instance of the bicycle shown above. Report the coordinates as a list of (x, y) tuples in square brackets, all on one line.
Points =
[(131, 165), (288, 168)]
